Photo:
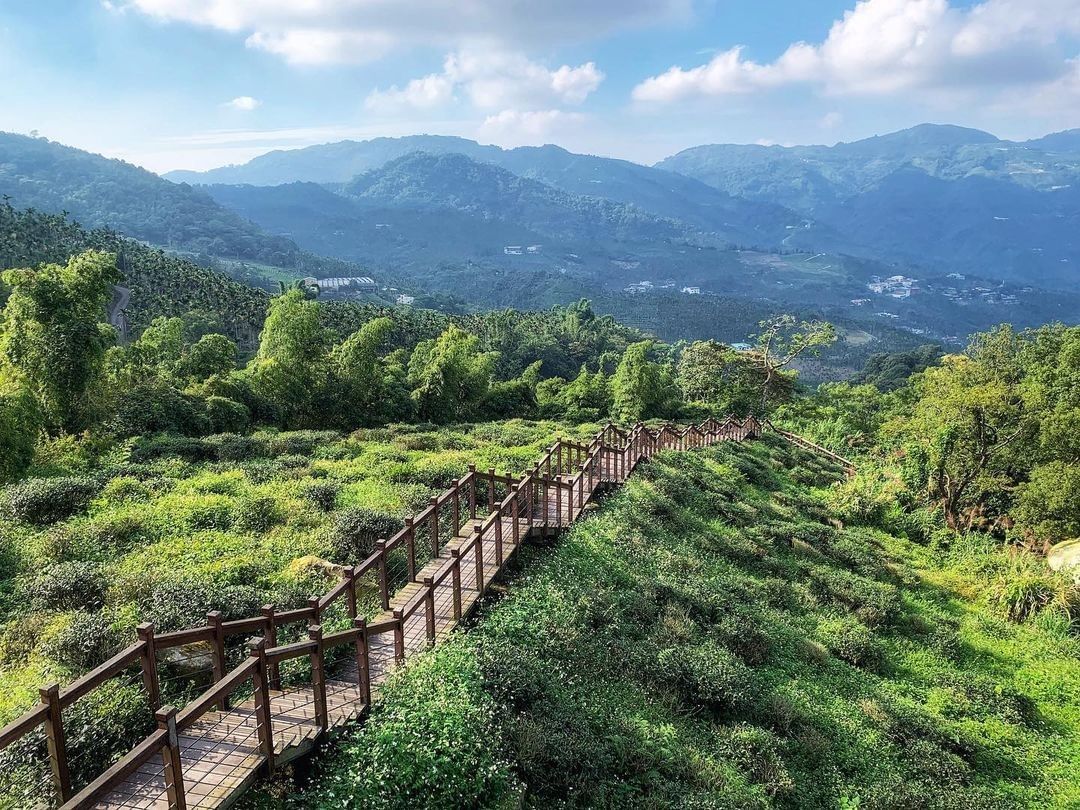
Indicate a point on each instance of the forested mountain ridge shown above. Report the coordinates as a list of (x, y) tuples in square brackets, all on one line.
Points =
[(454, 181), (103, 193), (948, 198)]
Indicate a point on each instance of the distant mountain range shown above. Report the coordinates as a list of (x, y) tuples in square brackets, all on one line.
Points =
[(937, 197), (978, 230), (942, 197)]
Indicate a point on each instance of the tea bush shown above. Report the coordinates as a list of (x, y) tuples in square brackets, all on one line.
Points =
[(47, 500)]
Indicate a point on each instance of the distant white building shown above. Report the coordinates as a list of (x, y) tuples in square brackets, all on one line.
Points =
[(513, 250), (345, 286), (534, 248), (692, 290), (741, 347), (405, 300)]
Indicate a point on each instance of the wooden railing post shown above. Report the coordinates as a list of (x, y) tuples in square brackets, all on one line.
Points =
[(410, 546), (455, 506), (170, 755), (273, 674), (262, 687), (478, 550), (434, 526), (149, 665), (363, 665), (384, 584), (558, 459), (491, 490), (399, 636), (429, 609), (514, 495), (55, 741), (455, 574), (313, 606), (472, 491), (498, 537), (349, 572), (213, 618), (318, 677)]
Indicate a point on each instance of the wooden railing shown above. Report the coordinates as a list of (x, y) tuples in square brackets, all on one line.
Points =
[(571, 469)]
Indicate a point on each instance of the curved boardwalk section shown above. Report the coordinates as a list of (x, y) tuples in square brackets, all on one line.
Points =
[(282, 680)]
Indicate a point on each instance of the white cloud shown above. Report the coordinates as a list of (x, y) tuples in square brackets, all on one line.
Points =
[(316, 47), (831, 120), (492, 80), (882, 47), (317, 32), (527, 127), (243, 103)]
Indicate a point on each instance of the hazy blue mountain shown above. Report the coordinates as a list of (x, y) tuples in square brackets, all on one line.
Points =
[(103, 193), (934, 195), (331, 162), (1066, 141), (663, 193)]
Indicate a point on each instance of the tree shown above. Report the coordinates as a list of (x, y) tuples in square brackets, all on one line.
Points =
[(449, 375), (965, 420), (783, 340), (211, 355), (637, 387), (358, 373), (290, 370), (53, 339), (720, 377)]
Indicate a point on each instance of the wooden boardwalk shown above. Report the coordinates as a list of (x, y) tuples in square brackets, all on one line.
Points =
[(283, 697)]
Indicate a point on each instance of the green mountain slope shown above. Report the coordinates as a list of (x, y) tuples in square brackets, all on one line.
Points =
[(710, 639), (103, 193)]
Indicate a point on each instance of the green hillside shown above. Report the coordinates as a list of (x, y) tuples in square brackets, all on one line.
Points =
[(713, 637)]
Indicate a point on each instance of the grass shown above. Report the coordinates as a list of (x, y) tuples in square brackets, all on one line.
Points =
[(710, 638)]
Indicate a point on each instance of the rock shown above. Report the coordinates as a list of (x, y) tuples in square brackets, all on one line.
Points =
[(1065, 555)]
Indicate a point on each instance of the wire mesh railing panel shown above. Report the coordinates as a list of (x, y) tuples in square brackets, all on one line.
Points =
[(25, 777), (105, 724)]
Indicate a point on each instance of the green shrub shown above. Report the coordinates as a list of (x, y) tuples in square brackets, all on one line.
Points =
[(226, 415), (257, 514), (167, 445), (431, 741), (710, 676), (68, 586), (46, 500), (1022, 591), (323, 494), (176, 604), (356, 530), (125, 488), (301, 442), (234, 447), (88, 640), (850, 641)]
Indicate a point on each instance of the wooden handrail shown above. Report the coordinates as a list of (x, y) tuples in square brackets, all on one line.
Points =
[(125, 766), (118, 663), (21, 726)]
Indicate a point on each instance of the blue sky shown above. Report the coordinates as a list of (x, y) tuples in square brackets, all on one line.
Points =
[(200, 83)]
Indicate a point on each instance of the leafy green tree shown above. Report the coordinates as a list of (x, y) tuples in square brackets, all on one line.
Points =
[(1048, 504), (640, 388), (449, 375), (211, 355), (53, 339), (160, 348), (20, 427), (720, 377), (963, 426), (781, 342), (291, 368), (358, 373)]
